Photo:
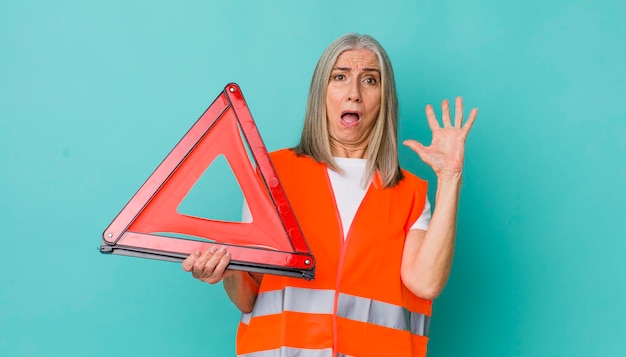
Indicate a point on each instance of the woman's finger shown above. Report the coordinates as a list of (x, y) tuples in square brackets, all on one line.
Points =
[(470, 121), (190, 260), (458, 112), (418, 147), (213, 261), (432, 118), (445, 113), (220, 269), (199, 265)]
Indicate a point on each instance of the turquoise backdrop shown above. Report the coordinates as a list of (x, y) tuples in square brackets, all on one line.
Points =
[(94, 94)]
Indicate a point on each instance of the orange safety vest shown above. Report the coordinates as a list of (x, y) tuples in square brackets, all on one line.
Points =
[(357, 304)]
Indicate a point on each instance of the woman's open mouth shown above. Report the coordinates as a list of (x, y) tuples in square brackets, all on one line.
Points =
[(350, 119)]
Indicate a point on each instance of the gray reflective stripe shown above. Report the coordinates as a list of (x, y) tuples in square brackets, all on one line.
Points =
[(291, 352), (382, 314), (420, 323), (313, 301), (245, 318)]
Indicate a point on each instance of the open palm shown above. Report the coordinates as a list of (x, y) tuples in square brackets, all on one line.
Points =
[(446, 151)]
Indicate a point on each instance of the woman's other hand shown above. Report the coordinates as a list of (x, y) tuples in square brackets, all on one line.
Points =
[(208, 266), (446, 152)]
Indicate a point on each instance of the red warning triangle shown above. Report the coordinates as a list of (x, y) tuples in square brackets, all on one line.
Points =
[(150, 226)]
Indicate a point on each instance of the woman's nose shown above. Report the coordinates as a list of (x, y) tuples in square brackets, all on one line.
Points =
[(354, 94)]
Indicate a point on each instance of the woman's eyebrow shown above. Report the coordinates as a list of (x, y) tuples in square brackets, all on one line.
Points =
[(348, 69)]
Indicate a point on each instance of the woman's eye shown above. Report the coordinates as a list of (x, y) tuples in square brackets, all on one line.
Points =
[(339, 77), (371, 81)]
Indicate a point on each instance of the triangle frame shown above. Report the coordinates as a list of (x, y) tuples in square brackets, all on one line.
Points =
[(149, 225)]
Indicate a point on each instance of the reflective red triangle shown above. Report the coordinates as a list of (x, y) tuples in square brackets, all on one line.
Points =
[(149, 226)]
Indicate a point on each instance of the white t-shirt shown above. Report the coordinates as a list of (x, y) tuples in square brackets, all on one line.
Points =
[(349, 190)]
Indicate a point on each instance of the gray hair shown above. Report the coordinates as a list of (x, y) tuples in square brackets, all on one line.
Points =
[(382, 150)]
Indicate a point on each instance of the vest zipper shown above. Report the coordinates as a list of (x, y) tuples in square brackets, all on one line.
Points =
[(343, 242), (340, 264)]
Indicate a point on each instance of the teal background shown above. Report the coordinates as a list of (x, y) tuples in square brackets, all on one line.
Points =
[(93, 95)]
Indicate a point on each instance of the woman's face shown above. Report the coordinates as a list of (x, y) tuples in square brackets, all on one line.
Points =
[(353, 102)]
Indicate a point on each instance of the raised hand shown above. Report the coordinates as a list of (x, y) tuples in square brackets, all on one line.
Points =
[(446, 152)]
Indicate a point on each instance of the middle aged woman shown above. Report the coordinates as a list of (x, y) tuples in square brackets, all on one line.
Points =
[(380, 257)]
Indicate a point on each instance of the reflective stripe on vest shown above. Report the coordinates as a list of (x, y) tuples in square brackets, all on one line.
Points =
[(312, 301), (382, 314), (315, 301), (291, 352)]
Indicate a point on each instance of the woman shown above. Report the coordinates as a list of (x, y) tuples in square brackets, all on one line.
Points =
[(380, 258)]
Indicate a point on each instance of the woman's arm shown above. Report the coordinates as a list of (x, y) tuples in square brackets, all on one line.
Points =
[(210, 267), (427, 255), (242, 288)]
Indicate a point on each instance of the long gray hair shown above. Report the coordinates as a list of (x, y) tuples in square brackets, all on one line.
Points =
[(382, 150)]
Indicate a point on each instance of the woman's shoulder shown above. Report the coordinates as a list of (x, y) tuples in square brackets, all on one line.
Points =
[(411, 179), (283, 154), (283, 157), (289, 155)]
